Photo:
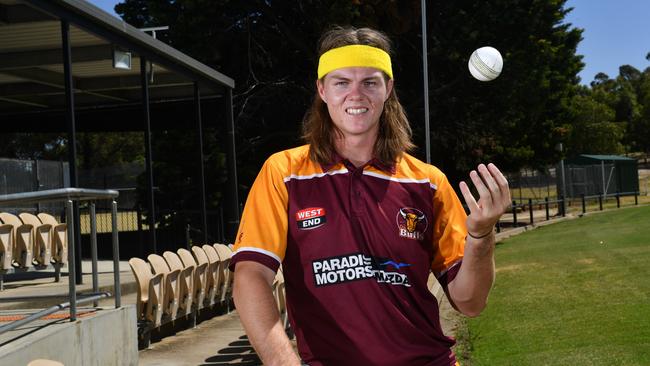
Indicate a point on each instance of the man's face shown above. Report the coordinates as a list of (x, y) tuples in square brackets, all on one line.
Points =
[(355, 99)]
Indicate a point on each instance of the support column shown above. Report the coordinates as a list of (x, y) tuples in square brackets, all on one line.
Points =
[(151, 218), (232, 199), (72, 142), (201, 185)]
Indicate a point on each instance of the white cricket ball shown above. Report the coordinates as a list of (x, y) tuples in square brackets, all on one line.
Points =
[(485, 63)]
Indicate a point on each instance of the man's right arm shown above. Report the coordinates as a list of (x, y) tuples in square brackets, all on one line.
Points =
[(259, 314)]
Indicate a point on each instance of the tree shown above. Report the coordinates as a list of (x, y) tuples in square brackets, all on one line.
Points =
[(268, 47), (593, 130)]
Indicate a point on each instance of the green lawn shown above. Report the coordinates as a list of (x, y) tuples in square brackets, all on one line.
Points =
[(572, 293)]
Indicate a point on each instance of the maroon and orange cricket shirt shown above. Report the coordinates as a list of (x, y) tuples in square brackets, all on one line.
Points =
[(356, 246)]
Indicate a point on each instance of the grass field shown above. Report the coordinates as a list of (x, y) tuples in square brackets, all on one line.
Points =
[(572, 293)]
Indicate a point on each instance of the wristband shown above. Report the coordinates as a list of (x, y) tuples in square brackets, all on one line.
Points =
[(479, 237)]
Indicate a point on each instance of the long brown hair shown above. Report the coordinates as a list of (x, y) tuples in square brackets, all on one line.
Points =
[(319, 130)]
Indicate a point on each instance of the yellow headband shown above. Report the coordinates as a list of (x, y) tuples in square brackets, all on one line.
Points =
[(354, 56)]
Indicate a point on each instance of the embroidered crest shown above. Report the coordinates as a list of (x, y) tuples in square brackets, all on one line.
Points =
[(411, 223)]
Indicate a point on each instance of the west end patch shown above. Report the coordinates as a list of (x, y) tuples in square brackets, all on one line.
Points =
[(311, 218)]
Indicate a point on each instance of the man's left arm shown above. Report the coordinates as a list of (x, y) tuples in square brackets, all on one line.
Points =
[(469, 290)]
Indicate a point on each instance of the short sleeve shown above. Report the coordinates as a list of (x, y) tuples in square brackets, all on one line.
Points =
[(449, 227), (262, 234)]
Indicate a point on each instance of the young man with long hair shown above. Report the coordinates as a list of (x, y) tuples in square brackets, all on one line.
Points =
[(358, 224)]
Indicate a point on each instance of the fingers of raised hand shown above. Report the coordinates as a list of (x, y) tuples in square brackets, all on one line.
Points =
[(489, 180), (469, 198), (502, 182), (483, 191)]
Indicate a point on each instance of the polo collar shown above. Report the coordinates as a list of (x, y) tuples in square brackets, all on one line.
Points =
[(338, 159)]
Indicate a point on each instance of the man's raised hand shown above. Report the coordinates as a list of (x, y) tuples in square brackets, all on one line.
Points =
[(494, 199)]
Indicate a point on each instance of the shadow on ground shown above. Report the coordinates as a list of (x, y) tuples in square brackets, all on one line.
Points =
[(238, 353)]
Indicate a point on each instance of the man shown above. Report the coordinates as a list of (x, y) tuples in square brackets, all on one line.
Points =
[(358, 224)]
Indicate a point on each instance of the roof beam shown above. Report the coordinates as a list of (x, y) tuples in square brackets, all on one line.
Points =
[(22, 102), (55, 79), (107, 83), (29, 59)]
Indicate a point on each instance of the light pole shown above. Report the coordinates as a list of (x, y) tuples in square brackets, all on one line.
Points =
[(427, 143)]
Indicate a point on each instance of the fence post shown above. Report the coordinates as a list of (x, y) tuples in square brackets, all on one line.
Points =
[(530, 209), (618, 200), (636, 198), (584, 206), (546, 207), (600, 201), (514, 213), (563, 205)]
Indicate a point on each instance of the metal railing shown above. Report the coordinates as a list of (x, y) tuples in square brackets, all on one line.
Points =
[(70, 195), (559, 204)]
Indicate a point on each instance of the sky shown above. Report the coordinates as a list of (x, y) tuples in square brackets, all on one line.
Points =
[(616, 33)]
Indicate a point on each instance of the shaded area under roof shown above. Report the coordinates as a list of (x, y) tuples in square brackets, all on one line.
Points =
[(32, 90)]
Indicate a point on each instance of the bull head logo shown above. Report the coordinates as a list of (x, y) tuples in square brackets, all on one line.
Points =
[(411, 219)]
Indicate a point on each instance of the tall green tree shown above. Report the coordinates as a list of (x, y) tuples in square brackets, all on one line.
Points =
[(593, 130)]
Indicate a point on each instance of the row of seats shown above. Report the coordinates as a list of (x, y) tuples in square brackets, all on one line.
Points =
[(30, 240), (178, 285)]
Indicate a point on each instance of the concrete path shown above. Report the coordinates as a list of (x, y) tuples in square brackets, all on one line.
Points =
[(218, 341)]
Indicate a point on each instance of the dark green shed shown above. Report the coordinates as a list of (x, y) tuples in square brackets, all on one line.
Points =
[(596, 174)]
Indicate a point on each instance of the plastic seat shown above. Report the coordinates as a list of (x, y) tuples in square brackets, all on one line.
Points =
[(186, 282), (171, 283), (42, 236), (215, 271), (44, 362), (59, 238), (6, 246), (200, 276), (150, 292), (225, 253), (210, 273), (22, 238)]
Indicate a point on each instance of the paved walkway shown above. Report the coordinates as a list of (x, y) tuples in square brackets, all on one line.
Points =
[(218, 341)]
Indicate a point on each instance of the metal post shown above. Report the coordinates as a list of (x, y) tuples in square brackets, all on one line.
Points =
[(563, 206), (530, 210), (563, 185), (636, 198), (116, 255), (69, 212), (37, 183), (93, 248), (232, 210), (602, 169), (72, 137), (188, 240), (425, 77), (514, 213), (600, 201), (546, 207), (584, 205), (618, 199), (199, 128), (144, 81)]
